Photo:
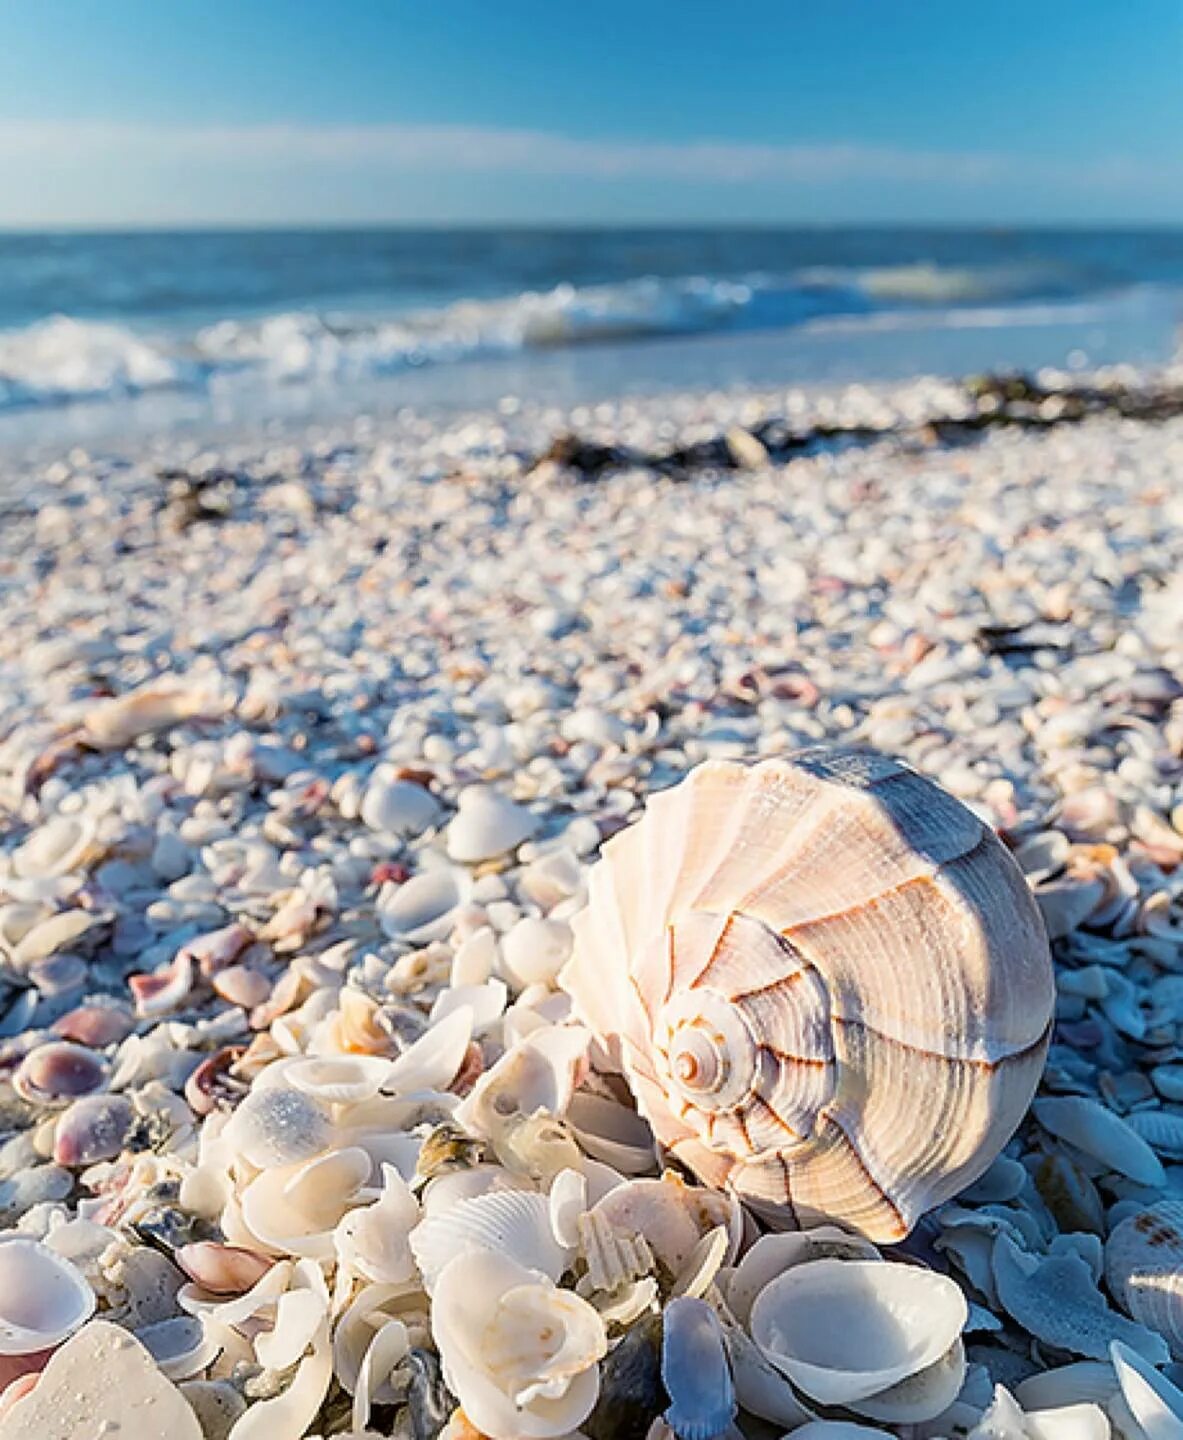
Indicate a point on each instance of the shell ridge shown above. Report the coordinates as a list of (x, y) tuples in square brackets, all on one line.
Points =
[(829, 1119), (988, 1064)]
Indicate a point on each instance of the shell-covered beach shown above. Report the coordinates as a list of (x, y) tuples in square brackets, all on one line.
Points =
[(308, 749)]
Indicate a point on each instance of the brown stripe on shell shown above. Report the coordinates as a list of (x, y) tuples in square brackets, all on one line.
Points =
[(716, 950), (784, 1058), (872, 902), (872, 1180), (755, 1099)]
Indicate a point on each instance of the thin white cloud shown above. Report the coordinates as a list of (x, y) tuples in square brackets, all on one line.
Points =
[(120, 173), (470, 149)]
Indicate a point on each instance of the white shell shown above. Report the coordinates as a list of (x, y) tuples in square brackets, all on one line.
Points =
[(398, 807), (520, 1355), (1144, 1269), (487, 824), (276, 1125), (845, 1330), (421, 910), (1101, 1134), (294, 1209), (339, 1079), (828, 983), (372, 1240), (57, 847), (43, 1297), (102, 1382), (1154, 1402), (514, 1223)]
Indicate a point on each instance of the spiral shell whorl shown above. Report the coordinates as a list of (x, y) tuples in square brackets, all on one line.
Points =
[(826, 981)]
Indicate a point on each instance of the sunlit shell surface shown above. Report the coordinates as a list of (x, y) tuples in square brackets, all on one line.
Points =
[(826, 981)]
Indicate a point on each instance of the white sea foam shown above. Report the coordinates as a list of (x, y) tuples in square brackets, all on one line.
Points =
[(62, 359)]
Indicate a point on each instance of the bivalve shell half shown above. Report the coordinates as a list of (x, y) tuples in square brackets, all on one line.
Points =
[(398, 807), (487, 825), (1144, 1269), (845, 1330), (43, 1297), (421, 910), (59, 1072)]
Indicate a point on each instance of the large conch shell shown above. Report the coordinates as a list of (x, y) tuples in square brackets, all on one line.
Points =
[(826, 982)]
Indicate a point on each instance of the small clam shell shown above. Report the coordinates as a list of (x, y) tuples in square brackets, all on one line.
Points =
[(95, 1025), (242, 985), (535, 950), (422, 909), (58, 932), (164, 990), (432, 1061), (612, 1133), (59, 1072), (339, 1080), (772, 1255), (919, 1397), (222, 1269), (398, 807), (507, 1222), (43, 1297), (92, 1129), (278, 1126), (695, 1371), (1144, 1269), (1101, 1134), (57, 847), (844, 1330), (487, 824)]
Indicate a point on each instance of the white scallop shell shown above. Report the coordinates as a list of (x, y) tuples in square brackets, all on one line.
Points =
[(846, 1330), (827, 981), (514, 1223), (1144, 1269), (43, 1297)]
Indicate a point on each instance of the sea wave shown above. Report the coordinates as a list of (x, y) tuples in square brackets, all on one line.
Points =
[(61, 358)]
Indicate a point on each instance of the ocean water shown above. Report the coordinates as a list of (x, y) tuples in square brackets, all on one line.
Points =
[(164, 327)]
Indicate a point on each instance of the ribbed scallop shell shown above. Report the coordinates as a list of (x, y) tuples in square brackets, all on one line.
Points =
[(827, 983)]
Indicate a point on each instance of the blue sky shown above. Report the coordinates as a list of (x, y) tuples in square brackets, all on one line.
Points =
[(257, 111)]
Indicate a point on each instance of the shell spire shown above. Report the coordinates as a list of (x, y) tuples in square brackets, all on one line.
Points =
[(826, 982)]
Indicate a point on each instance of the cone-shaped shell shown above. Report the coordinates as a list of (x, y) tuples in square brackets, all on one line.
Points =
[(826, 981)]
